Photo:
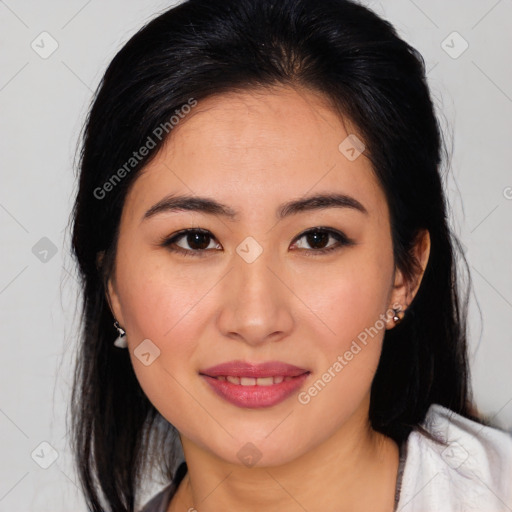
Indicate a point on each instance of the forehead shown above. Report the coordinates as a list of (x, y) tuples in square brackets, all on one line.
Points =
[(271, 145)]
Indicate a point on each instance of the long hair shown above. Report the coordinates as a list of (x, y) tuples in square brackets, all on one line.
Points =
[(205, 47)]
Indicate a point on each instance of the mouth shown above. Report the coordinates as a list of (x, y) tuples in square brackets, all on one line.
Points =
[(253, 386), (251, 381)]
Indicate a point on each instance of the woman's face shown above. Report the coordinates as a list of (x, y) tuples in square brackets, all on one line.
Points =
[(255, 286)]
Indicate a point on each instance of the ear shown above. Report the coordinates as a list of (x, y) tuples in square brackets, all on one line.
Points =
[(404, 290), (111, 291), (114, 302)]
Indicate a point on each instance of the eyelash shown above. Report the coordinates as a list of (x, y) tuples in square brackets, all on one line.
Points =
[(337, 235)]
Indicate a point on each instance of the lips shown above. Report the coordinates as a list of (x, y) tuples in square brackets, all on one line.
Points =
[(254, 385), (243, 369)]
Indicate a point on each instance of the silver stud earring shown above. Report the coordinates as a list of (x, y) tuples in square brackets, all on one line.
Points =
[(120, 341), (396, 318)]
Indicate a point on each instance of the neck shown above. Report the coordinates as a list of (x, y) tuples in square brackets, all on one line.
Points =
[(354, 470)]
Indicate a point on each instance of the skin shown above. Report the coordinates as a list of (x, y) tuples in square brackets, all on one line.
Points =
[(253, 151)]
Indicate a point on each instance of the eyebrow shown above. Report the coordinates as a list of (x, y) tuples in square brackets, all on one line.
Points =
[(172, 203)]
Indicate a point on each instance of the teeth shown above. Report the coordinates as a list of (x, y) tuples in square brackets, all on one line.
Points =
[(265, 381), (251, 381)]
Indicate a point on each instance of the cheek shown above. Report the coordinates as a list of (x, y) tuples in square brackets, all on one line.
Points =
[(166, 308), (168, 312), (350, 299), (349, 296), (156, 296), (351, 306)]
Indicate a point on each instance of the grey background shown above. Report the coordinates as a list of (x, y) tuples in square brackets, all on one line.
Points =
[(43, 103)]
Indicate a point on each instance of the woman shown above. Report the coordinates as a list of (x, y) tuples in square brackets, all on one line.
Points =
[(261, 217)]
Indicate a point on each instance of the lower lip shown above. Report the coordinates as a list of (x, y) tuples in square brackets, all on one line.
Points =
[(255, 397)]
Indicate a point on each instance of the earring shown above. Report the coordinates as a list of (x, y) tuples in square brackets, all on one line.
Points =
[(396, 318), (120, 341)]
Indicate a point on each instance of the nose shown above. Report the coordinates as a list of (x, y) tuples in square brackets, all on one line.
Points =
[(256, 302)]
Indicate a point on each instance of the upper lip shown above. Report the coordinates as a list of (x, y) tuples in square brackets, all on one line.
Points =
[(245, 369)]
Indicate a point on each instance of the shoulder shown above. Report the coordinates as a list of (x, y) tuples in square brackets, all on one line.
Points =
[(471, 471), (160, 502)]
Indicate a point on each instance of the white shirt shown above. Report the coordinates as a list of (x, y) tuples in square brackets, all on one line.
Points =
[(472, 473)]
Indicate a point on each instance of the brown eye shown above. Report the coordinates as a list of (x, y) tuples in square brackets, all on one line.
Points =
[(197, 240), (190, 242), (318, 240)]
